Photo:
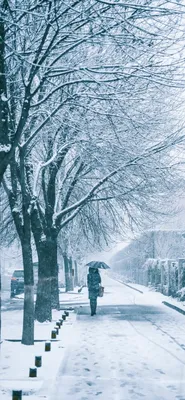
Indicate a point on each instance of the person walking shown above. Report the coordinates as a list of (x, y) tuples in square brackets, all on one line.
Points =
[(93, 283)]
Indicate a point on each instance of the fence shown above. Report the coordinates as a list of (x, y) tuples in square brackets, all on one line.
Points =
[(166, 276)]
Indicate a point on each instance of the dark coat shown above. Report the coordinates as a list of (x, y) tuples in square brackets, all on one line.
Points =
[(93, 283)]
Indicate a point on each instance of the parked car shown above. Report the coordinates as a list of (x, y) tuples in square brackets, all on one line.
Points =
[(17, 282)]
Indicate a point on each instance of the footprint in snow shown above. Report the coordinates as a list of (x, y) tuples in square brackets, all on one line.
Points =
[(171, 387), (90, 383), (160, 371), (87, 369), (98, 393), (123, 384), (72, 391)]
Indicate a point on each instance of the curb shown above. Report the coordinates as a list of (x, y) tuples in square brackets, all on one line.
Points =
[(41, 386), (47, 386), (131, 287), (174, 307), (51, 386), (163, 302)]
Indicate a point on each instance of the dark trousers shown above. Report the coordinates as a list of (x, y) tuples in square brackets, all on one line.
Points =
[(93, 305)]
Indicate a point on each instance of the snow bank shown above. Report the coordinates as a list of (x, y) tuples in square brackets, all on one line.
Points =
[(72, 297), (16, 359)]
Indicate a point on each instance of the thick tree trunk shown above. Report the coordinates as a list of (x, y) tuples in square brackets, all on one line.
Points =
[(43, 310), (28, 317), (55, 303), (47, 289)]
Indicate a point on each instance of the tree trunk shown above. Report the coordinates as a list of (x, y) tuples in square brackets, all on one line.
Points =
[(0, 301), (180, 272), (43, 310), (162, 277), (55, 303), (71, 278), (76, 274), (47, 289), (169, 291), (4, 139), (67, 274), (28, 317)]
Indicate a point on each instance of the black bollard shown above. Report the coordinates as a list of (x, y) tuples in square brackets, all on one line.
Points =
[(38, 361), (66, 313), (61, 321), (58, 324), (17, 395), (48, 346), (64, 317), (56, 329), (53, 334), (33, 373)]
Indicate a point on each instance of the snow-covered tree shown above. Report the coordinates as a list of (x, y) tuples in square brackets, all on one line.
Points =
[(75, 72), (79, 170), (85, 46)]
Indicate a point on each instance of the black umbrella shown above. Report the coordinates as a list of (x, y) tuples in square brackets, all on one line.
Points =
[(98, 264)]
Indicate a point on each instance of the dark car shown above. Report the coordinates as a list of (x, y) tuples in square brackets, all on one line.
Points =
[(17, 282)]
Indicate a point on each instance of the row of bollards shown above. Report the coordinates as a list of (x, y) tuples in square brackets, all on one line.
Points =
[(17, 394)]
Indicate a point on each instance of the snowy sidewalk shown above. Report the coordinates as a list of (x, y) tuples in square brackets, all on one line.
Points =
[(133, 348), (16, 359)]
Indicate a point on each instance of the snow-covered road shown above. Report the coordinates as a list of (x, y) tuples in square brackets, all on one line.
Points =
[(133, 348)]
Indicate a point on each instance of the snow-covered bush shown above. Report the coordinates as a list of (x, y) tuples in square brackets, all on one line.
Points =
[(181, 294)]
